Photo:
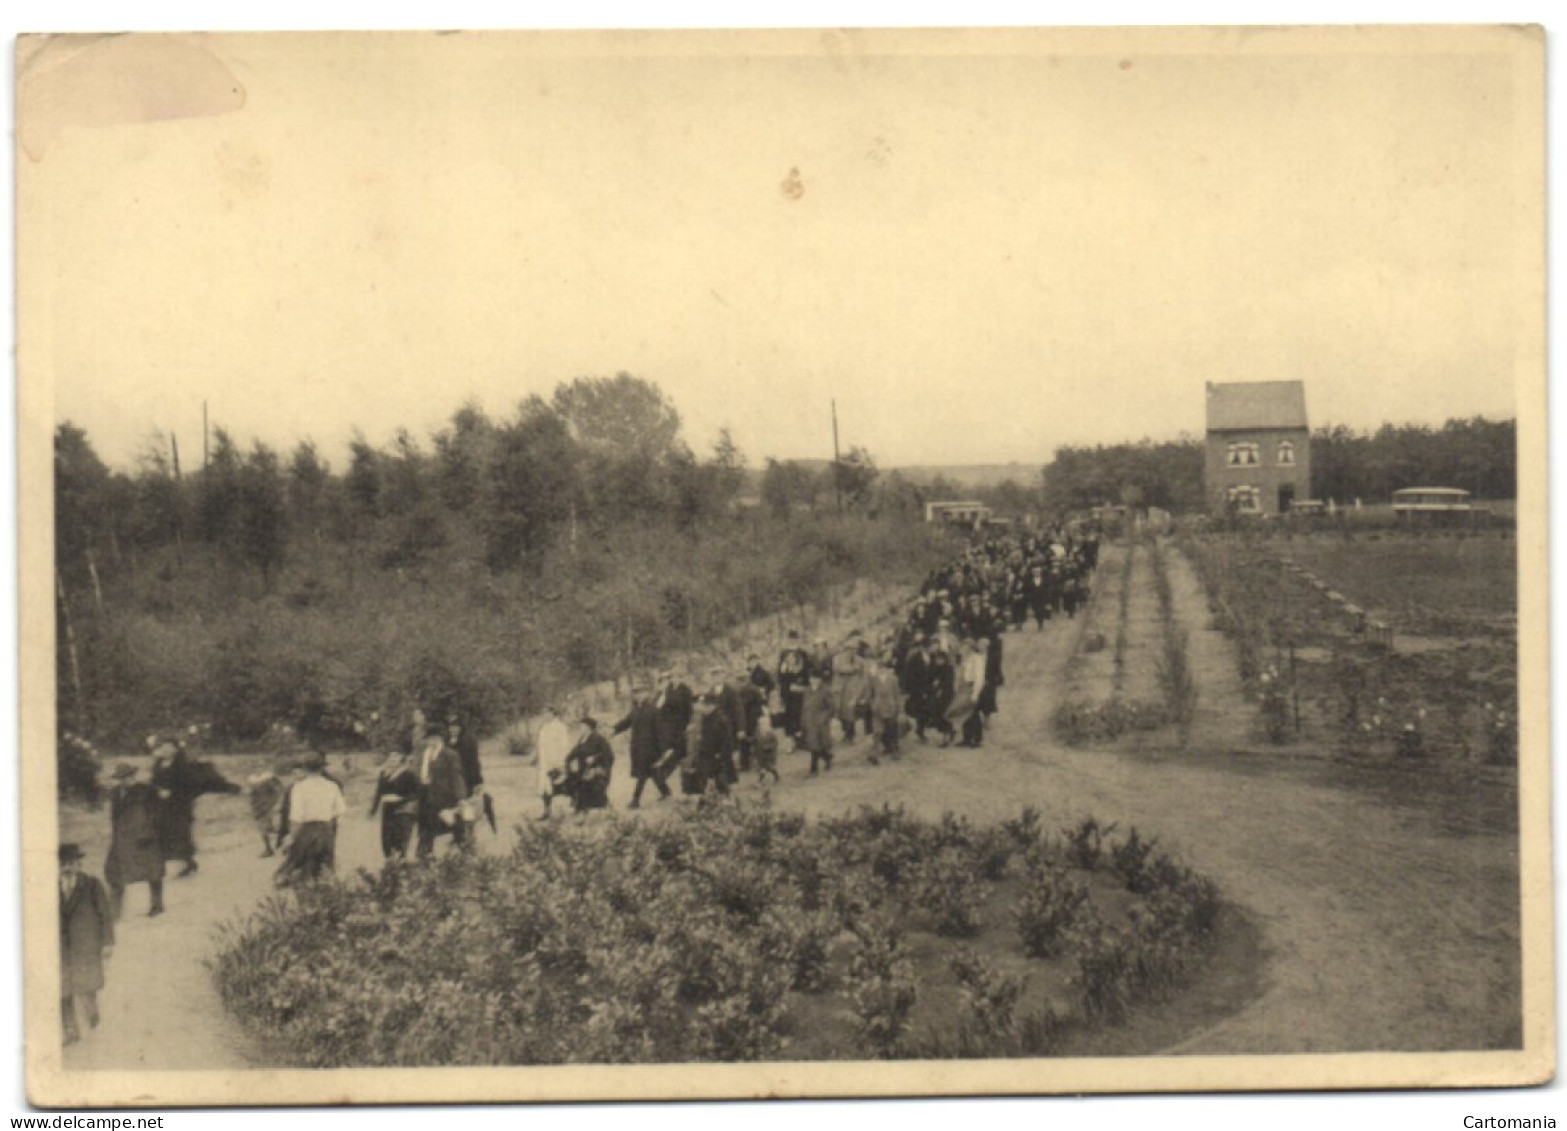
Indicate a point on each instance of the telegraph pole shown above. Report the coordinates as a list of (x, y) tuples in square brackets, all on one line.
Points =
[(837, 469), (203, 435)]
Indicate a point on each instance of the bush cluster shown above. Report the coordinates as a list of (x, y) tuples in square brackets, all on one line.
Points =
[(694, 939)]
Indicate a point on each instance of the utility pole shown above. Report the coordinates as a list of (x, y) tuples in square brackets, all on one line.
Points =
[(174, 447), (203, 435), (837, 469)]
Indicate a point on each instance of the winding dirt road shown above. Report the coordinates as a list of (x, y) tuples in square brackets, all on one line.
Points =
[(1386, 901)]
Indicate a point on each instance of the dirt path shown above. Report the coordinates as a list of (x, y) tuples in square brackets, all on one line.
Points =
[(1388, 907)]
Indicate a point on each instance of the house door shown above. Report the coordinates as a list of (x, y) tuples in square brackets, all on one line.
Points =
[(1286, 497)]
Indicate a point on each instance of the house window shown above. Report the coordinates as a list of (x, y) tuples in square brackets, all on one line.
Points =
[(1246, 499), (1286, 454), (1241, 455)]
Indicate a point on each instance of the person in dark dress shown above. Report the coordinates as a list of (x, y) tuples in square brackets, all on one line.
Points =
[(647, 750), (463, 741), (942, 685), (397, 797), (588, 769), (716, 749), (794, 665), (179, 780), (86, 941), (135, 855)]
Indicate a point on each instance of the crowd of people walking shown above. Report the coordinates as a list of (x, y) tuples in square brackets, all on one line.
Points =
[(934, 674)]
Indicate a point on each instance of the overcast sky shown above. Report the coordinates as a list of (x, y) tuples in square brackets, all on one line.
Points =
[(980, 255)]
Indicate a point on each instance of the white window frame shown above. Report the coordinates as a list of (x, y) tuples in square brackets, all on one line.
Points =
[(1286, 453), (1241, 453), (1248, 500)]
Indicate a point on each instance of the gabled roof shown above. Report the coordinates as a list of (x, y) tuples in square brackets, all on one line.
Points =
[(1256, 404)]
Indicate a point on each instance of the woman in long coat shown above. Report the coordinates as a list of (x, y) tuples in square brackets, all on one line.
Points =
[(86, 939), (179, 780), (135, 855)]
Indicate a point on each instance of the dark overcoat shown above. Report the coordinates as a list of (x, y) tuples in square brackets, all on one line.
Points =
[(646, 746), (135, 855), (180, 781), (86, 927)]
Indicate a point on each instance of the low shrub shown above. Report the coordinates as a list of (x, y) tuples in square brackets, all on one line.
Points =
[(1085, 842), (1130, 858), (1048, 906)]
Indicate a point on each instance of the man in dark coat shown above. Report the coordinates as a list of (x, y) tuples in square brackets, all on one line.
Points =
[(816, 716), (916, 684), (86, 940), (993, 676), (179, 780), (674, 705), (716, 752), (647, 750), (134, 853)]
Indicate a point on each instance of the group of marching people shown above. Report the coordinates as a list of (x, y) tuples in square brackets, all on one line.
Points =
[(940, 671)]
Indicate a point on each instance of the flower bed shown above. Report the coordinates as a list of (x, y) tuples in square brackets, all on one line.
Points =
[(726, 933)]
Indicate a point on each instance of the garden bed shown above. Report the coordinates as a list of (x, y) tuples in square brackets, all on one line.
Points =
[(728, 933)]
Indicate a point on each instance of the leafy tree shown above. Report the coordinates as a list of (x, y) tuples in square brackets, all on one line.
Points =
[(623, 414), (531, 485), (261, 529), (364, 476), (785, 485), (462, 451), (82, 496), (853, 475)]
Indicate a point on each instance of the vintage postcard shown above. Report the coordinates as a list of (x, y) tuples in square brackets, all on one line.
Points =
[(596, 565)]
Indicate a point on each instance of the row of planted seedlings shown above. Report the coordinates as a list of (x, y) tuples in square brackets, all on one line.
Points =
[(1082, 718), (1355, 694), (730, 932), (1095, 706)]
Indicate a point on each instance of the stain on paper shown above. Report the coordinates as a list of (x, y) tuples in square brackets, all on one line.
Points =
[(793, 187), (69, 82)]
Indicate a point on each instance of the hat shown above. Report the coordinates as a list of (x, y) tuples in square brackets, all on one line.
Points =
[(70, 852), (589, 720), (124, 770), (313, 762)]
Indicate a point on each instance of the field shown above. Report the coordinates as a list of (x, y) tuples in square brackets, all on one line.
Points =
[(1369, 902), (1397, 647)]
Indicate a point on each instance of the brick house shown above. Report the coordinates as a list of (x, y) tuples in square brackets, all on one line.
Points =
[(1258, 447)]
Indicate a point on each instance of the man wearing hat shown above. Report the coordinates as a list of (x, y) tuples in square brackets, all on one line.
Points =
[(315, 804), (135, 854), (86, 939), (646, 749), (674, 703)]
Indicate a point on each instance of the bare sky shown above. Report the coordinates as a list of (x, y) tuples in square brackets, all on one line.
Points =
[(987, 252)]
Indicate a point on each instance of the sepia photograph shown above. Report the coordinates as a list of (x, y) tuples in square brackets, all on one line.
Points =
[(843, 563)]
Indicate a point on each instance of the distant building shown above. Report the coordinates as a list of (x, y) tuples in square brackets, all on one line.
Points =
[(1258, 456), (966, 513)]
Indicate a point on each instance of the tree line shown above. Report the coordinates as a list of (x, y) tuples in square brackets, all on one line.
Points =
[(481, 569), (1473, 453)]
